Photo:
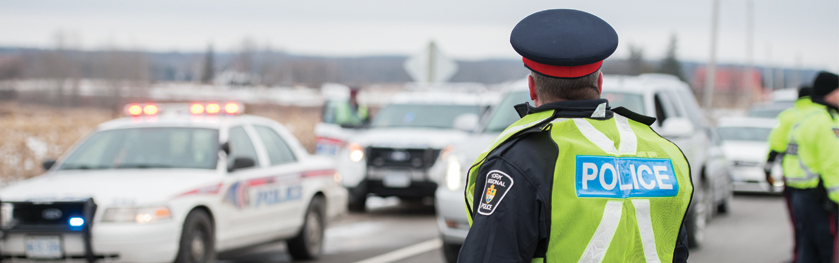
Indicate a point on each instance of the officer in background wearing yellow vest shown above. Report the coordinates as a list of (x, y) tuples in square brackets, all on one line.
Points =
[(351, 113), (575, 180), (811, 172), (778, 141)]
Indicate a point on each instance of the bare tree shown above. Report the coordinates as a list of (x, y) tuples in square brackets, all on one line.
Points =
[(670, 64)]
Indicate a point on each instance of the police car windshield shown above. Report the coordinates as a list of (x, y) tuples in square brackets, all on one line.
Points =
[(744, 133), (504, 114), (139, 148), (421, 115), (631, 101)]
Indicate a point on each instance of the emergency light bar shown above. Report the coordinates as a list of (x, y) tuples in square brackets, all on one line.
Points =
[(194, 108), (214, 108), (135, 109)]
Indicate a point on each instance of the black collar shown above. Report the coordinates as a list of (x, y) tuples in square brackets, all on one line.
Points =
[(820, 100), (567, 109), (582, 109)]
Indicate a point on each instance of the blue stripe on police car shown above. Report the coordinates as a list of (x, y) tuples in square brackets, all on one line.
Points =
[(625, 177)]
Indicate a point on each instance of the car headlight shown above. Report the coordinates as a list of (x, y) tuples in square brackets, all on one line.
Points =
[(136, 214), (6, 210), (453, 176), (356, 152)]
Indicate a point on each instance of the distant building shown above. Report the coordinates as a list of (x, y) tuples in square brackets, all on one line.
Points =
[(730, 85)]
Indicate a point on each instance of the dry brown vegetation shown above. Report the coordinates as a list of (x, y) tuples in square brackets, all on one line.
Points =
[(30, 134)]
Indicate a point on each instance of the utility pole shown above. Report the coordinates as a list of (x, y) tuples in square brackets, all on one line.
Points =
[(432, 49), (711, 69), (748, 88)]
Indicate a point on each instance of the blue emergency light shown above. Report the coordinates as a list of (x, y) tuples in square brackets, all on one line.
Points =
[(76, 221)]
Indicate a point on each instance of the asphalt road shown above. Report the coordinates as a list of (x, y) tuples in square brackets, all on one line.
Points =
[(756, 230)]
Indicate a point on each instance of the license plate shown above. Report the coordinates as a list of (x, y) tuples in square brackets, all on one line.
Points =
[(326, 149), (43, 247), (397, 180)]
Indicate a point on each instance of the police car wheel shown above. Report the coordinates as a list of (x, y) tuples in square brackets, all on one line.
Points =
[(696, 217), (450, 252), (308, 243), (197, 239)]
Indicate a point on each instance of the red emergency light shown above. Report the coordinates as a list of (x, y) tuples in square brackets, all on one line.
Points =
[(214, 108)]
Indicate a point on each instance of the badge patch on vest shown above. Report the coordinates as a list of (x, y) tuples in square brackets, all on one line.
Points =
[(625, 177), (836, 131), (496, 187)]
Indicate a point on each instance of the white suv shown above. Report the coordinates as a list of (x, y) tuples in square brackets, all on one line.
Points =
[(405, 139), (679, 119)]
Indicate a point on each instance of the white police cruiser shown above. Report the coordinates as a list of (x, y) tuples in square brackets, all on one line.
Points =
[(405, 139), (173, 183)]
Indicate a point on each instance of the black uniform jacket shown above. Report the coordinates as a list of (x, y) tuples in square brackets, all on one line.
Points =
[(517, 229)]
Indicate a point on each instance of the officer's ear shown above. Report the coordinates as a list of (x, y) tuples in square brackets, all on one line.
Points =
[(600, 83), (532, 87)]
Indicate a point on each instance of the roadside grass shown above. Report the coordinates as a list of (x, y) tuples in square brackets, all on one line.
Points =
[(30, 133)]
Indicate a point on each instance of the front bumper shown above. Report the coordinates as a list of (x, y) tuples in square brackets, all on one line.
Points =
[(417, 189), (452, 219), (753, 179), (114, 242)]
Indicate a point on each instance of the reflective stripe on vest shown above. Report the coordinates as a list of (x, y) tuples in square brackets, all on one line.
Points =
[(803, 177)]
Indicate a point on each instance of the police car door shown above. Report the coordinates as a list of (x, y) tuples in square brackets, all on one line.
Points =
[(282, 195), (247, 221)]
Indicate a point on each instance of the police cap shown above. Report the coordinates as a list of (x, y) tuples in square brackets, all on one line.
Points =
[(564, 43), (825, 83), (805, 91)]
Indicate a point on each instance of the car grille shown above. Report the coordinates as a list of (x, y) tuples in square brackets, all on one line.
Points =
[(401, 158), (52, 216)]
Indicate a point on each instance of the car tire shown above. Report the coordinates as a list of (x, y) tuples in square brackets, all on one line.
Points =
[(451, 251), (197, 243), (724, 207), (308, 244), (357, 200), (696, 218)]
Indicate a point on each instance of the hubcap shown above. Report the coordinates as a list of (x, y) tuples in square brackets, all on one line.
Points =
[(198, 246), (313, 232)]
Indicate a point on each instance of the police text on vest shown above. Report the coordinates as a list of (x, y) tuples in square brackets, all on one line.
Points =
[(625, 177)]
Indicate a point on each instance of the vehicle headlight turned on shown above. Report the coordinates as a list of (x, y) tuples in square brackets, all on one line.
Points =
[(6, 210), (356, 152), (140, 215), (453, 173)]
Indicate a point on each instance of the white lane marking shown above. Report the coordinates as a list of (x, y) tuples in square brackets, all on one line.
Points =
[(405, 252)]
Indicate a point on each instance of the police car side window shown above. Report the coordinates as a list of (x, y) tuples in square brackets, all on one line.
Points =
[(659, 110), (664, 107), (277, 148), (240, 146)]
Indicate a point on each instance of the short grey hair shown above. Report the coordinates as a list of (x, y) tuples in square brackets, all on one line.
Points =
[(551, 89)]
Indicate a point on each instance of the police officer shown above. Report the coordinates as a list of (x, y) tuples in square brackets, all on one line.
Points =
[(811, 171), (779, 139), (351, 112), (575, 180)]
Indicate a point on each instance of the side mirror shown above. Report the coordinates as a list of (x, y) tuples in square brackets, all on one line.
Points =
[(466, 122), (225, 147), (676, 127), (48, 164), (241, 163)]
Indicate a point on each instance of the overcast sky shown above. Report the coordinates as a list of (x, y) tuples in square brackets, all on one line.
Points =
[(787, 33)]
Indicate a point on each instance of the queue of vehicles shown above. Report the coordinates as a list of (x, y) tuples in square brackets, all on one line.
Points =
[(188, 180)]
